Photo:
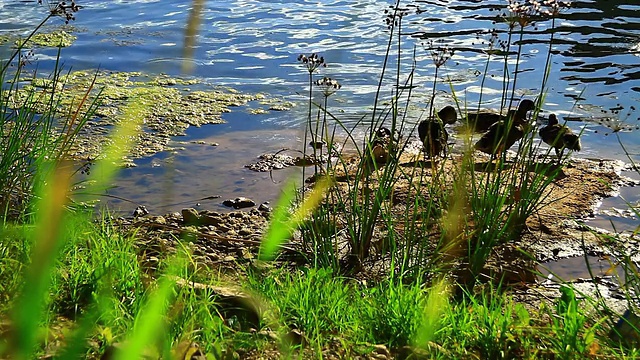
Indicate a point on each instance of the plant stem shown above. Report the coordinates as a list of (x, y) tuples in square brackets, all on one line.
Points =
[(22, 44)]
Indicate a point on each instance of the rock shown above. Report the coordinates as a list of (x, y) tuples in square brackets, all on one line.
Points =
[(264, 207), (381, 351), (237, 214), (160, 220), (140, 211), (243, 202), (245, 254), (187, 350), (190, 216), (231, 301), (239, 203), (210, 220)]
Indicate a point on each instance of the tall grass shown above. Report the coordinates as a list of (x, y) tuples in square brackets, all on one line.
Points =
[(456, 211)]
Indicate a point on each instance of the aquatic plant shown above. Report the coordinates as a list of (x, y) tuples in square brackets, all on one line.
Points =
[(32, 132), (311, 63)]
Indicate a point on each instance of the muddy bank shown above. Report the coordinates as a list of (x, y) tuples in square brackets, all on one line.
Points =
[(555, 230)]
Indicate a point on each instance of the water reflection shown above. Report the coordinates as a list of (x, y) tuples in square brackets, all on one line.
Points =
[(191, 177)]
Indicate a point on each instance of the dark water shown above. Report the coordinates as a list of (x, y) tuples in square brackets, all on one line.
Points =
[(252, 45)]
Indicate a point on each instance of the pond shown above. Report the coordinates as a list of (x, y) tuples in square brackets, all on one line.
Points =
[(252, 45)]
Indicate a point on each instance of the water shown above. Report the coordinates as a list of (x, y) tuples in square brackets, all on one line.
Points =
[(252, 45)]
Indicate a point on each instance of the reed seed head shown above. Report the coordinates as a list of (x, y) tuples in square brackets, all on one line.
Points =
[(328, 86), (440, 54), (63, 9), (312, 62)]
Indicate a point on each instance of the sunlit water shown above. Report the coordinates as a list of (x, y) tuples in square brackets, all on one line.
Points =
[(252, 45)]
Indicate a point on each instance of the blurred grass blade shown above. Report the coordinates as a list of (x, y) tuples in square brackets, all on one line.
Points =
[(191, 35), (283, 223), (149, 323), (433, 312), (28, 311), (122, 141)]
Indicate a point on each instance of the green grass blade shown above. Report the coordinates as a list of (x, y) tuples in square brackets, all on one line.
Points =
[(28, 311), (283, 222), (150, 322)]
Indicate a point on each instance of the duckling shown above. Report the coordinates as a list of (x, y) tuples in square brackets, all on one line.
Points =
[(482, 120), (380, 145), (503, 134), (432, 133), (560, 137)]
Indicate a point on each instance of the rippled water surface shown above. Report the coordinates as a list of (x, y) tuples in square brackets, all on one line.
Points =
[(252, 45)]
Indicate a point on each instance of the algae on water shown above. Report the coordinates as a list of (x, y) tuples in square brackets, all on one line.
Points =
[(176, 106), (56, 38)]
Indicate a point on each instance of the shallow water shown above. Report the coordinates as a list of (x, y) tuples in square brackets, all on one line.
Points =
[(252, 45)]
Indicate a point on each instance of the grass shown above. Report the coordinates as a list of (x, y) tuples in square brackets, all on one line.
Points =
[(75, 286), (331, 311)]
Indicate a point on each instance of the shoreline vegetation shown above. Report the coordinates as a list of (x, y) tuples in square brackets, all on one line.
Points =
[(385, 247)]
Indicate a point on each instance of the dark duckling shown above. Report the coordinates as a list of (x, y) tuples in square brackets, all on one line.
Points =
[(380, 145), (432, 133), (482, 120), (559, 137), (503, 134)]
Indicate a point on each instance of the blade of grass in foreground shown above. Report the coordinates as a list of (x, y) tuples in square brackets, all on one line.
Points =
[(150, 322), (283, 223), (434, 307), (122, 141), (28, 311), (49, 225)]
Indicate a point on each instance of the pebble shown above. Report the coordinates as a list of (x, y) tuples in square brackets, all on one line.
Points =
[(210, 220), (239, 203), (190, 216)]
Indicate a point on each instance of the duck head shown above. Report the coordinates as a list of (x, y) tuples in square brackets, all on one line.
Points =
[(448, 115)]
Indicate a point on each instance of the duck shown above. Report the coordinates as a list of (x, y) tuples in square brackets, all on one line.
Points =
[(503, 134), (432, 133), (559, 137), (481, 120), (380, 145)]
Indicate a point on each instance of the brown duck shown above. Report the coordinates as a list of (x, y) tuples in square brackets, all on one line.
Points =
[(432, 133), (559, 137), (482, 120), (503, 134)]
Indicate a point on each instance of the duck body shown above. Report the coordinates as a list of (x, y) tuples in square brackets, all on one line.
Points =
[(382, 139), (559, 137), (500, 137), (482, 120), (503, 134), (432, 133), (433, 136)]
